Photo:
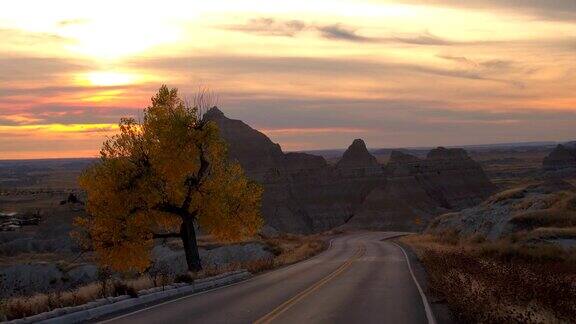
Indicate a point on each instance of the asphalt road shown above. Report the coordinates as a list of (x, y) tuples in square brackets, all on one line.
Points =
[(359, 279)]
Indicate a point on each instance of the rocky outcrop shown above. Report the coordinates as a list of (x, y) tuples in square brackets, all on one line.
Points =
[(259, 156), (302, 193), (561, 158), (417, 190), (402, 204), (525, 210), (357, 157), (398, 158), (358, 162), (455, 179), (302, 162)]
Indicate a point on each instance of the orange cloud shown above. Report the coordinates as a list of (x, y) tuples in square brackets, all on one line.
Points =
[(296, 131), (312, 74)]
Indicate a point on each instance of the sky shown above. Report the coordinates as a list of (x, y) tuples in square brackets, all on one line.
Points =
[(311, 74)]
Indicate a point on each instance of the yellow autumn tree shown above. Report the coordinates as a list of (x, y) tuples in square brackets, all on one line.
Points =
[(159, 178)]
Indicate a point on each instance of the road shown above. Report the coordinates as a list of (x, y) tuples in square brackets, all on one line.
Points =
[(359, 279)]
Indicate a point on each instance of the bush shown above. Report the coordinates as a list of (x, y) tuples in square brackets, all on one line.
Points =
[(121, 288), (184, 277), (274, 249)]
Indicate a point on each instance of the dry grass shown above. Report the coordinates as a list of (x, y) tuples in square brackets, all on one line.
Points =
[(499, 282), (515, 193), (19, 307), (287, 249), (552, 233), (544, 218), (557, 210)]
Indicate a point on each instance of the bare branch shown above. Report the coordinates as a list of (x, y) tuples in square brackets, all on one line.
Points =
[(205, 99)]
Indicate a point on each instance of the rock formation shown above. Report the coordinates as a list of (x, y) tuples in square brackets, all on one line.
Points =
[(417, 190), (519, 210), (299, 162), (455, 179), (302, 193), (257, 154), (561, 158), (357, 158)]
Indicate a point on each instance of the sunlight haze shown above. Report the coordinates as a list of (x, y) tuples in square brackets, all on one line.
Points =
[(309, 74)]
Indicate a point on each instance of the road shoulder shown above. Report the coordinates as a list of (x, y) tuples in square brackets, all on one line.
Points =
[(439, 307)]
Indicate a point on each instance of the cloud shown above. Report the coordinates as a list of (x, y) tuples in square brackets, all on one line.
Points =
[(492, 67), (428, 39), (69, 22), (459, 59), (235, 66), (18, 119), (270, 27), (339, 32), (49, 91), (61, 128), (495, 64), (563, 10), (67, 114), (38, 68), (394, 123), (310, 130), (20, 37)]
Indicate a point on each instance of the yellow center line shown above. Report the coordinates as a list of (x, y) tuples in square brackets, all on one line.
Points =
[(294, 300)]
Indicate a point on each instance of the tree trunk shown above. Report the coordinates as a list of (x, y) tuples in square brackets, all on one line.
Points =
[(188, 235)]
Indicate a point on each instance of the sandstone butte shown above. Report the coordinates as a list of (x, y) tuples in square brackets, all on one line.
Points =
[(304, 194)]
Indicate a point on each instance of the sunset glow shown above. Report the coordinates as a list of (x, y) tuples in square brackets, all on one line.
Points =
[(109, 78), (310, 74)]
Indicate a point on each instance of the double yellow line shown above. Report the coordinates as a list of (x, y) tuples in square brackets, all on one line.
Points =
[(294, 300)]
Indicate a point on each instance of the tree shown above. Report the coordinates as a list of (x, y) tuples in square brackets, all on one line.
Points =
[(160, 177)]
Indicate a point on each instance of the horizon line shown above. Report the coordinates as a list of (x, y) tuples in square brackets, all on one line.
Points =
[(523, 143)]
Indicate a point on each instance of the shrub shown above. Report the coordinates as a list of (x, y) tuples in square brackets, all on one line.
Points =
[(274, 249), (120, 288), (184, 277)]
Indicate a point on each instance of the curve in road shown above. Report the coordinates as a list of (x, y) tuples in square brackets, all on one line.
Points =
[(361, 278)]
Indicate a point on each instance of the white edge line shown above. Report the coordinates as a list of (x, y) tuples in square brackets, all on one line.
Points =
[(210, 290), (230, 285), (427, 308)]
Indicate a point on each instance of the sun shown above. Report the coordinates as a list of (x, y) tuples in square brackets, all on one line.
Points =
[(109, 78), (114, 39)]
